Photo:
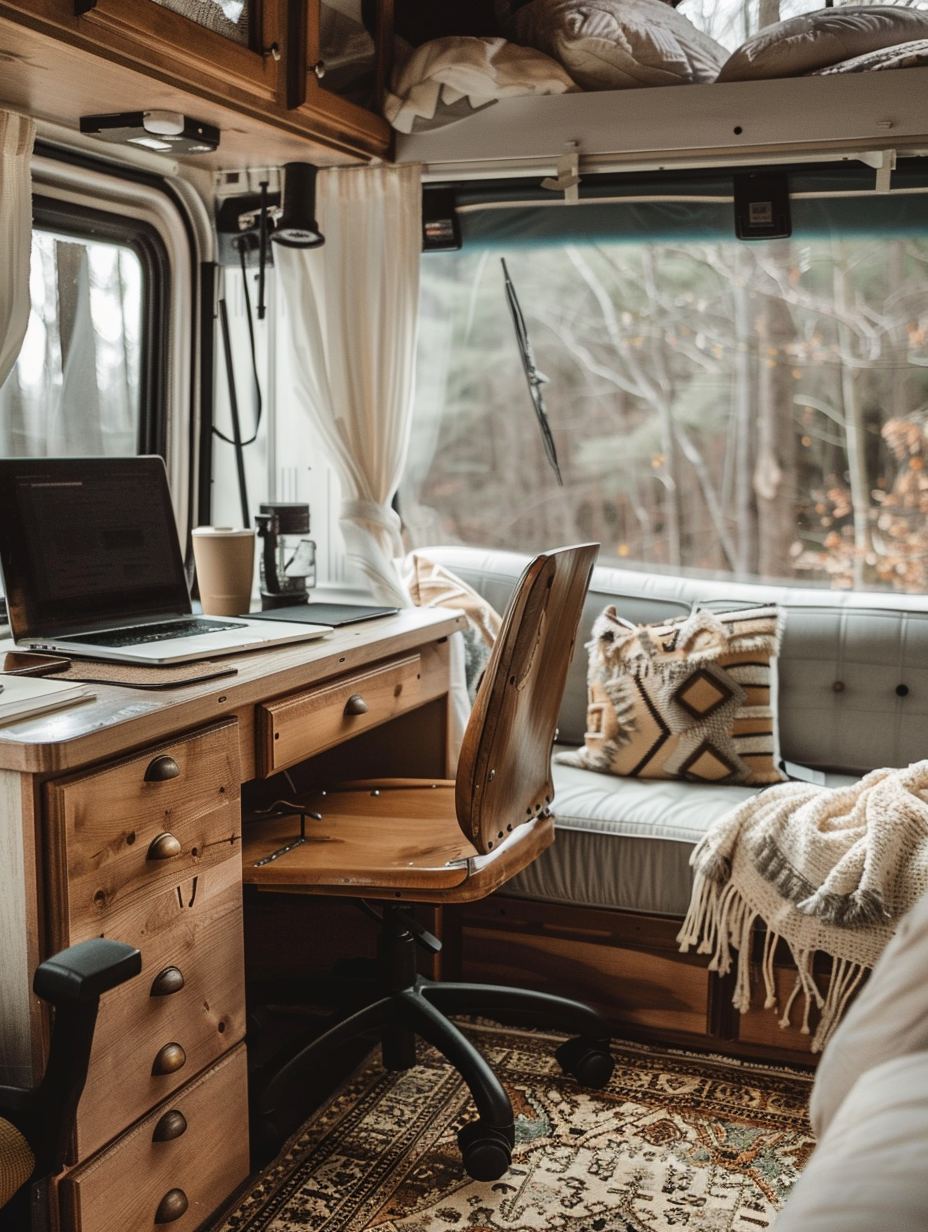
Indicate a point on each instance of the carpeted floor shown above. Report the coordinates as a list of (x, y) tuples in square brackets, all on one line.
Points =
[(676, 1141)]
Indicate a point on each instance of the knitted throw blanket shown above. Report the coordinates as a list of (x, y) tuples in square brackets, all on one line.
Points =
[(826, 869)]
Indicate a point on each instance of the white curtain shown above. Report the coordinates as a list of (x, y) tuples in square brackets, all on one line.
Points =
[(353, 308), (17, 134)]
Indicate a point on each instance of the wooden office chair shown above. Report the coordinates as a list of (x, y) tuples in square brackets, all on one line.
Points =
[(449, 842), (35, 1124)]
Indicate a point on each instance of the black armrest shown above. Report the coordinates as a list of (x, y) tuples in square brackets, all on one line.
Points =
[(85, 971), (72, 981)]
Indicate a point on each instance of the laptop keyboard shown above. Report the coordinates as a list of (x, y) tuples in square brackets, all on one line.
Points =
[(163, 632)]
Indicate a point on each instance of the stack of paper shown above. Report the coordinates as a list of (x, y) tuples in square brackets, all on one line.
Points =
[(21, 696)]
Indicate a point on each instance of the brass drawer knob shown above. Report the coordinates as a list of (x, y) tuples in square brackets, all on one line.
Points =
[(164, 847), (356, 704), (170, 1126), (169, 1060), (172, 1206), (168, 981), (161, 769)]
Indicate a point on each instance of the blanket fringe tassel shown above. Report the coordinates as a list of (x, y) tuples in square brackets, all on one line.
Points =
[(720, 921)]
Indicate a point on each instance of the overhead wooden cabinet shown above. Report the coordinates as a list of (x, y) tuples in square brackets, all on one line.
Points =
[(263, 81), (336, 71)]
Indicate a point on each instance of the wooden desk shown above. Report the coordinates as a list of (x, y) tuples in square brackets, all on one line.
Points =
[(121, 817)]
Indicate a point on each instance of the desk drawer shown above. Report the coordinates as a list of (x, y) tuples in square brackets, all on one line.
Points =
[(185, 1009), (130, 828), (187, 1176), (296, 727)]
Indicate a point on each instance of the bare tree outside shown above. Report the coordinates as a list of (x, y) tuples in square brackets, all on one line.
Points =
[(751, 410)]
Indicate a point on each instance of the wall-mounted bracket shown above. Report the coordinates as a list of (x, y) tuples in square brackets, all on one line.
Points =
[(884, 163), (568, 174)]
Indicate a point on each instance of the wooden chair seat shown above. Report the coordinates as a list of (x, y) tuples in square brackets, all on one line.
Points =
[(393, 839)]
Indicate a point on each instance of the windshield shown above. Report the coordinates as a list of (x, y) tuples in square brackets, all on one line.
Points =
[(755, 410)]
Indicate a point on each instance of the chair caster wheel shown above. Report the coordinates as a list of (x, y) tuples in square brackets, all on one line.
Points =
[(589, 1061), (485, 1151)]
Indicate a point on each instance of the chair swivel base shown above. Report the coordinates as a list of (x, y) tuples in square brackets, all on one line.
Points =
[(418, 1007)]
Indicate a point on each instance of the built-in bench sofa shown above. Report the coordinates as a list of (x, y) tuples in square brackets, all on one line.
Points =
[(597, 915)]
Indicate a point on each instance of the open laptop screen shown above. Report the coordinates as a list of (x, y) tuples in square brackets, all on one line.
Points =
[(87, 543)]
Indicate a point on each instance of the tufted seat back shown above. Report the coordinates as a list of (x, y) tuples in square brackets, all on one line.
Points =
[(853, 668)]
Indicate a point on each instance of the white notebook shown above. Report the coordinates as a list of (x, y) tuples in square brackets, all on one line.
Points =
[(22, 696)]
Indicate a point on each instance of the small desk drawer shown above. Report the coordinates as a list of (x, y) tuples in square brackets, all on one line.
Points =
[(121, 832), (149, 1173), (185, 1009), (299, 726)]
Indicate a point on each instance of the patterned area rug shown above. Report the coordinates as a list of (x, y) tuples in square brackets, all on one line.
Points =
[(676, 1141)]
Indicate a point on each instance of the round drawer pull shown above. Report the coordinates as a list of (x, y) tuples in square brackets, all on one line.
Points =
[(170, 1126), (169, 1060), (161, 769), (356, 704), (168, 981), (172, 1206), (164, 847)]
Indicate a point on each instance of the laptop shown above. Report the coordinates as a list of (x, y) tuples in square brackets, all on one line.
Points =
[(92, 566)]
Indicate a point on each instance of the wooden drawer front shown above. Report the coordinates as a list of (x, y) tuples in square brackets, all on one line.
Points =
[(115, 836), (122, 1188), (189, 996), (296, 727)]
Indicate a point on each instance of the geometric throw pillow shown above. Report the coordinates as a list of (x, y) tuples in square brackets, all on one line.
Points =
[(689, 699), (816, 40)]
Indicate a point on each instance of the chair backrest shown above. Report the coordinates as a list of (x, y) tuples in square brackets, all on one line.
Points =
[(504, 769)]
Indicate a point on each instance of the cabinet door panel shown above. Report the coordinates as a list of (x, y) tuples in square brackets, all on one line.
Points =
[(179, 48)]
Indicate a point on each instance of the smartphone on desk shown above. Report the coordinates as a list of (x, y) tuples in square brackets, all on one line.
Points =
[(27, 663)]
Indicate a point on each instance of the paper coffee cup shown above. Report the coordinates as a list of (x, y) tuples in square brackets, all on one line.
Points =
[(225, 560)]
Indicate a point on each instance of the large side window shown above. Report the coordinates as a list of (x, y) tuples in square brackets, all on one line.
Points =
[(88, 376), (747, 409)]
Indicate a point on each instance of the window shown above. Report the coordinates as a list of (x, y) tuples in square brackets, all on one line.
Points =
[(749, 409), (75, 388)]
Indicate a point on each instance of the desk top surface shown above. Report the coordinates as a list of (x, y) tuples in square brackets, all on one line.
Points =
[(120, 718)]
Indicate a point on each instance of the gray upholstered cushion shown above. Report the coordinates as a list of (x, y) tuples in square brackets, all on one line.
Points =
[(626, 843)]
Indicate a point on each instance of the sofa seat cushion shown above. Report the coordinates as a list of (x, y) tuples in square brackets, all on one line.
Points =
[(626, 843)]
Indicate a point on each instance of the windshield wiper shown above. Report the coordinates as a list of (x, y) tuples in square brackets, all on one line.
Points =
[(535, 378)]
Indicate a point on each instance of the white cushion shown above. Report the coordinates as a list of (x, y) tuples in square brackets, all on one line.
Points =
[(615, 44), (889, 1019), (815, 40), (450, 78), (870, 1170)]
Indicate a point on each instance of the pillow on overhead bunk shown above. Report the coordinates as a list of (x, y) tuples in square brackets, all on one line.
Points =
[(451, 78), (905, 55), (617, 44), (690, 699), (817, 40)]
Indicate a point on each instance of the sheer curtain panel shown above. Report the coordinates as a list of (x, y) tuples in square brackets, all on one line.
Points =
[(17, 134), (352, 307)]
